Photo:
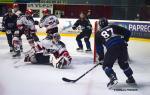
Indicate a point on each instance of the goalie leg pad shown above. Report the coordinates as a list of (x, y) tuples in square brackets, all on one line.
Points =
[(78, 39), (31, 42), (64, 61), (16, 43)]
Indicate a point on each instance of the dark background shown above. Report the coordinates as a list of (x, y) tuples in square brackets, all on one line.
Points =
[(112, 9)]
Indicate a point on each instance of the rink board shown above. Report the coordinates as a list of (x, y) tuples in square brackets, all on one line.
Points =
[(140, 29), (74, 35)]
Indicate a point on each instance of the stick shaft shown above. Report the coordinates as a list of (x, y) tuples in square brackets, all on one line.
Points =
[(87, 72)]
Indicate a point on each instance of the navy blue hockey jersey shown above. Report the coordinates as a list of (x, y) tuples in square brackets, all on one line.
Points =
[(111, 35)]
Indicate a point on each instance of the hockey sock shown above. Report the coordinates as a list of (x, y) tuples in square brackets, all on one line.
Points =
[(87, 42), (128, 72), (109, 72)]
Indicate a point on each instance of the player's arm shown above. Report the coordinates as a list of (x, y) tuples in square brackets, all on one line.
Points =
[(99, 42), (56, 19), (88, 26), (42, 22), (15, 19), (4, 23), (124, 32), (76, 24)]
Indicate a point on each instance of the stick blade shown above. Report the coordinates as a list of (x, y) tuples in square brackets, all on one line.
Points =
[(68, 80)]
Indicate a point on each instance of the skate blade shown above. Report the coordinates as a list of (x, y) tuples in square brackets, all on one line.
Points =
[(88, 52), (132, 84), (111, 86)]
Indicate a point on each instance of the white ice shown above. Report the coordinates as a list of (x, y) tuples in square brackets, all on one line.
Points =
[(45, 80)]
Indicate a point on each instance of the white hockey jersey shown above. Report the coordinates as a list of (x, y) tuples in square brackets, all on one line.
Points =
[(24, 21), (48, 47), (49, 22), (53, 47)]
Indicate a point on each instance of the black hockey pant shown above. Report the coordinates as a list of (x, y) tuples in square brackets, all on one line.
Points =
[(120, 53), (86, 35)]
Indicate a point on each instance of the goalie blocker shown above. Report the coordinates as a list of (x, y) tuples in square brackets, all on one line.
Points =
[(49, 51)]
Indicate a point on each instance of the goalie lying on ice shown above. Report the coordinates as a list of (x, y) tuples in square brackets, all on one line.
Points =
[(49, 51)]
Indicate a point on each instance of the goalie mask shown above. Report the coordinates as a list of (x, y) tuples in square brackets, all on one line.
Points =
[(56, 37)]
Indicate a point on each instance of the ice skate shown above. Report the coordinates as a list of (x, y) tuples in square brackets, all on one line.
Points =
[(79, 49), (17, 54), (113, 81), (130, 81)]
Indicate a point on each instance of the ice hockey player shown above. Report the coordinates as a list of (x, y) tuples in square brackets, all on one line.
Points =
[(9, 26), (50, 51), (18, 13), (16, 9), (86, 28), (26, 25), (115, 39), (49, 21)]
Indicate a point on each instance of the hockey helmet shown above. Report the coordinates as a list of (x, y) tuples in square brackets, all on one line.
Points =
[(82, 15), (15, 5), (29, 12), (103, 22), (9, 10), (45, 11)]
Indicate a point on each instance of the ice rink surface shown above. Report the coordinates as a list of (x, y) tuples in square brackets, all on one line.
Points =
[(45, 80)]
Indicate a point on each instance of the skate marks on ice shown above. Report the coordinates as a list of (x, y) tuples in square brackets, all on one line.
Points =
[(142, 88), (2, 89), (121, 86)]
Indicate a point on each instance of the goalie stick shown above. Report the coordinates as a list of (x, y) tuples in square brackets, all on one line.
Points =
[(20, 60), (73, 81)]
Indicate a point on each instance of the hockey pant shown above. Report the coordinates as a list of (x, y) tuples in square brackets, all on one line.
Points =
[(86, 35), (118, 52)]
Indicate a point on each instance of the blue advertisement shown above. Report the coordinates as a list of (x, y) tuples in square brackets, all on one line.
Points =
[(135, 27), (138, 29)]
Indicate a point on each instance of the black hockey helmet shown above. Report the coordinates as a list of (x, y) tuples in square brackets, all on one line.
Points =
[(9, 10), (103, 22)]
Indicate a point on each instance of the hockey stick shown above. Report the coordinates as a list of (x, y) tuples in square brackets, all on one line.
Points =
[(17, 62), (73, 81)]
